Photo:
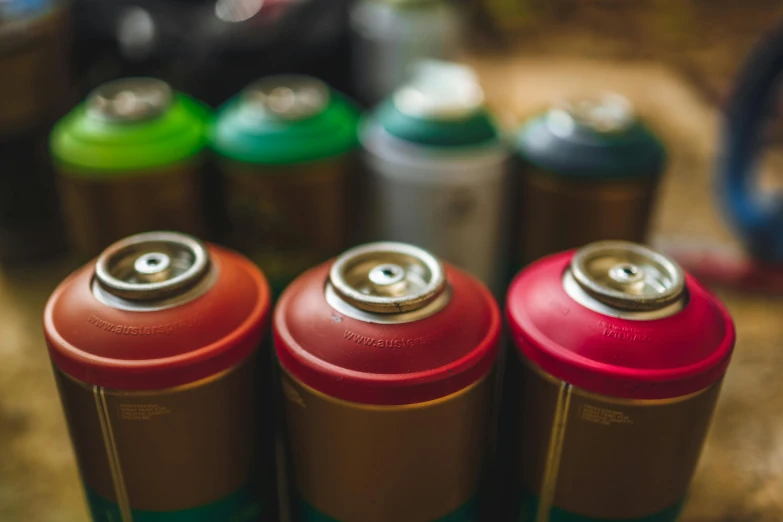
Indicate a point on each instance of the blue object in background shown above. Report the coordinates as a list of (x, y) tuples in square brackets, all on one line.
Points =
[(757, 216)]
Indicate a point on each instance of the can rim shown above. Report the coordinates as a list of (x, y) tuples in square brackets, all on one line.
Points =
[(155, 290), (412, 102), (101, 101), (255, 96), (605, 113), (672, 292), (434, 286), (463, 98)]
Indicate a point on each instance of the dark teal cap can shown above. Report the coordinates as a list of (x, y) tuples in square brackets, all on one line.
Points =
[(593, 138), (284, 120)]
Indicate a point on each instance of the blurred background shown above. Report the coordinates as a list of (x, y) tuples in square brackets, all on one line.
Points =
[(679, 64)]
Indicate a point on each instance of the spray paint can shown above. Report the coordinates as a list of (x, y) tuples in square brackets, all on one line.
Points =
[(385, 358), (33, 63), (390, 36), (129, 160), (286, 154), (155, 353), (437, 171), (621, 357), (591, 172)]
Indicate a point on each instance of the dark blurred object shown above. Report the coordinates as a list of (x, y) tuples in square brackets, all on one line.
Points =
[(389, 36), (285, 147), (34, 72), (591, 172), (211, 48), (755, 214), (128, 160)]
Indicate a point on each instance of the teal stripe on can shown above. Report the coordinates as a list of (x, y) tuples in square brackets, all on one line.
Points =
[(527, 513), (242, 506), (467, 513)]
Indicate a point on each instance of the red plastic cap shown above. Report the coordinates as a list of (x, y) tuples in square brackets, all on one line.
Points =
[(151, 350), (656, 359), (386, 364)]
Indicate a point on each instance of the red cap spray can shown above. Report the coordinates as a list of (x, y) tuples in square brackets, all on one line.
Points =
[(386, 358), (621, 356), (155, 350)]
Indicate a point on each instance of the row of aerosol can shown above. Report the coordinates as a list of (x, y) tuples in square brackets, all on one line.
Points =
[(385, 362), (35, 56), (289, 173)]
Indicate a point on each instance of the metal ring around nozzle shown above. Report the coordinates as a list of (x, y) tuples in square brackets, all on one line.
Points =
[(152, 266), (387, 277), (130, 100), (627, 275)]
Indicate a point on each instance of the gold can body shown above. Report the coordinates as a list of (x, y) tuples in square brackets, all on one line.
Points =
[(288, 218), (556, 213), (100, 209), (365, 463), (584, 456), (184, 450)]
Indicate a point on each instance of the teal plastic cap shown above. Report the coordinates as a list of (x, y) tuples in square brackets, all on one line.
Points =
[(441, 106), (284, 120)]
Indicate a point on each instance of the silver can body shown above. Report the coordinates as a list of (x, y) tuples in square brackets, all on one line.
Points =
[(389, 37), (452, 202)]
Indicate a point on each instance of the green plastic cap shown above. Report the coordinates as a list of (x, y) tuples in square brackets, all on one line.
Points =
[(442, 106), (129, 125), (283, 120)]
